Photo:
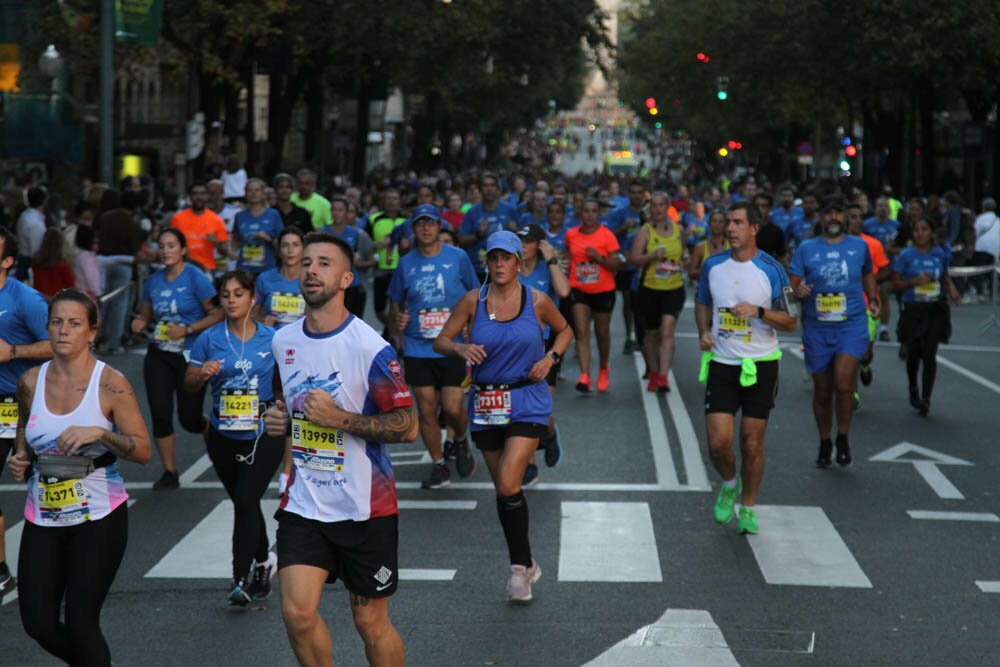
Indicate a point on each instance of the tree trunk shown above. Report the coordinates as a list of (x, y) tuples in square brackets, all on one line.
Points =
[(359, 167), (314, 122), (283, 96), (928, 152)]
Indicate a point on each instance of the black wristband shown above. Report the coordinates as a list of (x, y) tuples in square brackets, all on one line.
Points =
[(556, 357), (760, 312), (552, 261)]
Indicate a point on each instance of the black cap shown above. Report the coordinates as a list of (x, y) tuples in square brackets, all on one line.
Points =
[(531, 232), (834, 204)]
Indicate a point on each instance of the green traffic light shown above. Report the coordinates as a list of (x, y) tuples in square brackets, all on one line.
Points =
[(722, 95), (659, 125), (845, 165)]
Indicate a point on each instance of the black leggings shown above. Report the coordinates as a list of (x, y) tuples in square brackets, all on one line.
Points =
[(163, 371), (6, 445), (922, 351), (246, 485), (77, 563)]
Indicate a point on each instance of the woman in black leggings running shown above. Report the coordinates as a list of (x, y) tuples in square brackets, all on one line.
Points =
[(179, 301), (79, 417), (235, 356)]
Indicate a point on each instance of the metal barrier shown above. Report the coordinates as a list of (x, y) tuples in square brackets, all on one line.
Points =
[(115, 292)]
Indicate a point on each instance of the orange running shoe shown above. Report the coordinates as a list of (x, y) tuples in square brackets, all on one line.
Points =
[(583, 384), (603, 381)]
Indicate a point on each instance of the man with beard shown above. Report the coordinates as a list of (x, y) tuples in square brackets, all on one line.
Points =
[(831, 274), (345, 400)]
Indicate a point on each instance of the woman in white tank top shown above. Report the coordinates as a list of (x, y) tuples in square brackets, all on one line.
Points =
[(76, 416)]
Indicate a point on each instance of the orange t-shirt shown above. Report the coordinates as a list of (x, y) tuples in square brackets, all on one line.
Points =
[(196, 228), (585, 274), (875, 249)]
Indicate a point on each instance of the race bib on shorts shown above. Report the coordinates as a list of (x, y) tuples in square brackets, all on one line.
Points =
[(253, 255), (287, 307), (734, 326), (238, 410), (316, 447), (431, 321), (928, 292), (161, 337), (8, 416), (588, 273), (492, 407), (62, 502), (831, 307)]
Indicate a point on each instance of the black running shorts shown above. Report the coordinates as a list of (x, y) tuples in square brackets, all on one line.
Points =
[(436, 372), (723, 392), (602, 302), (362, 554), (655, 303), (493, 439)]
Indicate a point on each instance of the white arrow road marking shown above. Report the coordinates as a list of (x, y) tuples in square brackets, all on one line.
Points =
[(687, 637), (926, 466)]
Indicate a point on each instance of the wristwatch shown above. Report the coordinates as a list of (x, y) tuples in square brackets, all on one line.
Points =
[(760, 312), (552, 261), (555, 356)]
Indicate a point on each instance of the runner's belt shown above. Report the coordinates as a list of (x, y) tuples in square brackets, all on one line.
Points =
[(502, 387)]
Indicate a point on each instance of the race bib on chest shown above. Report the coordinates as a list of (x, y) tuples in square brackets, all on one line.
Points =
[(928, 292), (62, 502), (287, 307), (734, 326), (831, 307), (238, 410), (588, 273), (665, 268), (163, 340), (492, 407), (431, 321), (8, 416), (253, 254), (316, 447)]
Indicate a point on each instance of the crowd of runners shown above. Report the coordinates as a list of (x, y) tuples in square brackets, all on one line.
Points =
[(257, 293)]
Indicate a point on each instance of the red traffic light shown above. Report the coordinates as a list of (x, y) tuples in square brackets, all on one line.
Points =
[(650, 102), (739, 146), (732, 145), (850, 151), (702, 57)]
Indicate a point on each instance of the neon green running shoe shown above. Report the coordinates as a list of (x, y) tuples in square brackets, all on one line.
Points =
[(724, 504), (748, 521)]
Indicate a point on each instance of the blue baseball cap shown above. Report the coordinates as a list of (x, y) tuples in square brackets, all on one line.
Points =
[(505, 240), (426, 211)]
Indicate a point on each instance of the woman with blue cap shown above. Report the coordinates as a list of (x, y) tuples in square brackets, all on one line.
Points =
[(509, 405)]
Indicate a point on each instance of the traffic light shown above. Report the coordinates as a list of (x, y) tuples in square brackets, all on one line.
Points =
[(653, 111), (845, 166), (850, 151), (702, 57), (722, 88), (659, 125), (723, 152), (650, 103)]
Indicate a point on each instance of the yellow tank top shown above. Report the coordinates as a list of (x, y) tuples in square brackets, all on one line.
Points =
[(664, 273), (706, 252)]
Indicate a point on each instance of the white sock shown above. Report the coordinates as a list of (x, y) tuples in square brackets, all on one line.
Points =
[(730, 483)]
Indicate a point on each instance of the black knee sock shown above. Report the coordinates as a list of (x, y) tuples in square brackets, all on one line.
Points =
[(930, 371), (912, 366), (513, 511), (4, 571)]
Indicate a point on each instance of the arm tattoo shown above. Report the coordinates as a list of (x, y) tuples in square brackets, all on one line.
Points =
[(359, 601), (122, 445), (394, 426), (24, 397), (111, 389)]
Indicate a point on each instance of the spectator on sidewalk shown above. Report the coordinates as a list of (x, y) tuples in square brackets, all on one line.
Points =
[(30, 230), (51, 270), (86, 267), (119, 239)]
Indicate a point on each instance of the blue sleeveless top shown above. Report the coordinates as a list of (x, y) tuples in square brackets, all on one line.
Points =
[(512, 348)]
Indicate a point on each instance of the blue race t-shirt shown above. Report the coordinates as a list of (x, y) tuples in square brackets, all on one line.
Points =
[(24, 319), (911, 262), (429, 288), (528, 219), (557, 240), (246, 378), (280, 298), (350, 235), (883, 231), (498, 219), (620, 216), (798, 231), (177, 301), (257, 255), (781, 218), (834, 271)]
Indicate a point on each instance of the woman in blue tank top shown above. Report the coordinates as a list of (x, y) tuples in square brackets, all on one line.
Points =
[(509, 405)]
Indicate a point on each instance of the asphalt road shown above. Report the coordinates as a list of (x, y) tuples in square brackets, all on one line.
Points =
[(841, 574)]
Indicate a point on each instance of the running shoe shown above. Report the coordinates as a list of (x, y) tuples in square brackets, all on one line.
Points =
[(726, 501), (553, 449), (924, 407), (843, 452), (167, 482), (654, 382), (260, 586), (914, 398), (883, 335), (7, 584), (747, 522), (439, 477), (449, 450), (866, 375), (530, 477), (603, 379), (239, 597), (465, 460), (857, 402), (824, 458), (519, 583), (583, 384), (664, 386)]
